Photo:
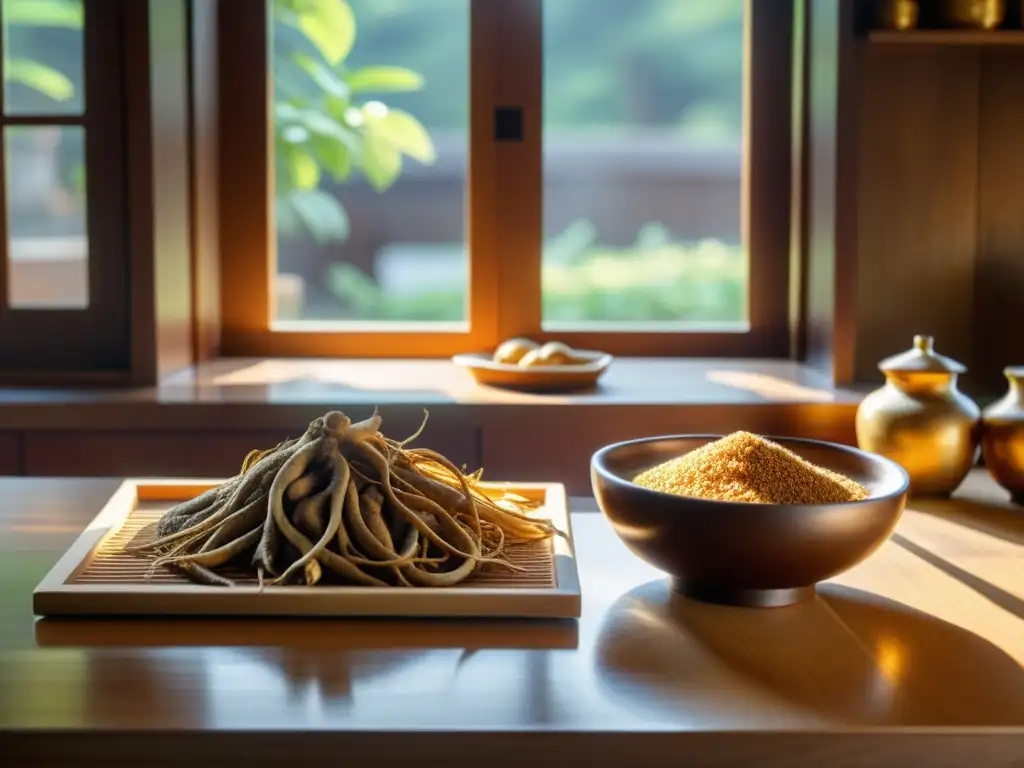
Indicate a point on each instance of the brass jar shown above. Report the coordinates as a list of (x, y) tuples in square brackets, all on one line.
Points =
[(972, 14), (896, 14), (920, 419), (1002, 436)]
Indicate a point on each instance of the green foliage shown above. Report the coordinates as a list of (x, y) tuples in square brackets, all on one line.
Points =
[(384, 80), (39, 77), (702, 282), (44, 13), (648, 282), (36, 75), (324, 126), (329, 25), (321, 123), (315, 211), (363, 299), (24, 21)]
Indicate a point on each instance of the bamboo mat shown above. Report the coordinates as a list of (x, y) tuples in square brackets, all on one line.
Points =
[(110, 564)]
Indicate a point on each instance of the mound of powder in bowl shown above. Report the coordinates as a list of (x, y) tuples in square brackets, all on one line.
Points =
[(747, 468)]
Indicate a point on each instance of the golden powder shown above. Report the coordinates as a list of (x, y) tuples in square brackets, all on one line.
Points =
[(748, 468)]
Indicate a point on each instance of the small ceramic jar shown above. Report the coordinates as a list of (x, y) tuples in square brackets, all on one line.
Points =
[(896, 14), (920, 419), (972, 14), (1002, 436)]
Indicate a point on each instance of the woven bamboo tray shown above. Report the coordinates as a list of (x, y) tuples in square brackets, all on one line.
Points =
[(96, 577)]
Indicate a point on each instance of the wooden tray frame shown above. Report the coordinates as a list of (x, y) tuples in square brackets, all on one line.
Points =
[(58, 595), (308, 634)]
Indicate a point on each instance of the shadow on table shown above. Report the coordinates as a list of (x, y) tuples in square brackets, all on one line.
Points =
[(311, 634), (846, 656), (1002, 520), (1005, 600), (331, 676)]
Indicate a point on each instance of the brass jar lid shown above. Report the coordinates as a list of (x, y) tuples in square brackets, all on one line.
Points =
[(921, 358)]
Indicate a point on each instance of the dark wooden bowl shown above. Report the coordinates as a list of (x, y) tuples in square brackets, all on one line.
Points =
[(747, 554)]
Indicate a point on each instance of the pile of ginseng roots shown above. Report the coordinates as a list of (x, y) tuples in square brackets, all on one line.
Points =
[(344, 504)]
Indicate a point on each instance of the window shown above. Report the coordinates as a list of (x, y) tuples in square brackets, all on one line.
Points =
[(63, 280), (433, 176)]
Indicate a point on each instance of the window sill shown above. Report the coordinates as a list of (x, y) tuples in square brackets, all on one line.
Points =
[(263, 387), (195, 421)]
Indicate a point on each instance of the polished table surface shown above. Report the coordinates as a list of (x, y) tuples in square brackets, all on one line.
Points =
[(914, 657)]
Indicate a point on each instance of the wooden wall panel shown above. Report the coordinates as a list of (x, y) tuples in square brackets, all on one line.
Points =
[(158, 184), (999, 286), (556, 444), (118, 454), (533, 443), (139, 213), (940, 229), (10, 453), (917, 202), (184, 454)]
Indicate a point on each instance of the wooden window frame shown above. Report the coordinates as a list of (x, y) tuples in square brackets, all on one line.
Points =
[(91, 343), (504, 202)]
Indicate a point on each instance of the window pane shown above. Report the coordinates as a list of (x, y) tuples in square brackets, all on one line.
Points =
[(48, 246), (643, 103), (43, 64), (370, 144)]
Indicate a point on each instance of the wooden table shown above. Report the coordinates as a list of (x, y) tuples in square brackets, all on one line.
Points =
[(913, 658)]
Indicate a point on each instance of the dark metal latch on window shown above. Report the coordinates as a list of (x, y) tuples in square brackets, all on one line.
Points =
[(508, 123)]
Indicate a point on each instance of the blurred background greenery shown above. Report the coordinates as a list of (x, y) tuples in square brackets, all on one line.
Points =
[(642, 120), (672, 282), (616, 71)]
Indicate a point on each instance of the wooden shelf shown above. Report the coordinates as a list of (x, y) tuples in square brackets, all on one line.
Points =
[(947, 37)]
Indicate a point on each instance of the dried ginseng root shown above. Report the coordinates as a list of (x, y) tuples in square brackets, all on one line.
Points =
[(343, 503)]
